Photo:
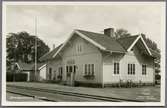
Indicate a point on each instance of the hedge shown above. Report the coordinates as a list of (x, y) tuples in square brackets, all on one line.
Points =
[(16, 76)]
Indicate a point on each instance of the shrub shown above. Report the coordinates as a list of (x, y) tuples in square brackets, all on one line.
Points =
[(157, 77), (59, 77), (89, 76), (16, 76)]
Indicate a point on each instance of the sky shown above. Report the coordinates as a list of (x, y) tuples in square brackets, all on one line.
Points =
[(55, 23)]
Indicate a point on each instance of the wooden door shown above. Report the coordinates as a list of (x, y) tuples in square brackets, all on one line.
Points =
[(70, 70)]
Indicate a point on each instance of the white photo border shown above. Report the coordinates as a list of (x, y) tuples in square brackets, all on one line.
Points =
[(163, 59)]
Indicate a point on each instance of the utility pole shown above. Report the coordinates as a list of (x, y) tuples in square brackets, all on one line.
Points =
[(15, 45), (35, 49)]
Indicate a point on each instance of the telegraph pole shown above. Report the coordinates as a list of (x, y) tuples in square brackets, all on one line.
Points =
[(35, 49)]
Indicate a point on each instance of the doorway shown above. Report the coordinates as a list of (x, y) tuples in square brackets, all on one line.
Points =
[(70, 74)]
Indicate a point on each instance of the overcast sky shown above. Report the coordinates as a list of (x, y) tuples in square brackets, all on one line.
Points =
[(56, 22)]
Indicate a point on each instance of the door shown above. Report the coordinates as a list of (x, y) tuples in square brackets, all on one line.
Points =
[(50, 73), (70, 72)]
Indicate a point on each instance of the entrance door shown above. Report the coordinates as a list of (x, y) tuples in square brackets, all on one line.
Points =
[(70, 72)]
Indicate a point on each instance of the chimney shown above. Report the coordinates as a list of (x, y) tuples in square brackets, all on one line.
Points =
[(53, 46), (109, 32)]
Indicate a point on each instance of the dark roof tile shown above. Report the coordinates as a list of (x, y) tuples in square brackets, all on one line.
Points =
[(25, 66), (108, 42), (50, 54), (126, 42)]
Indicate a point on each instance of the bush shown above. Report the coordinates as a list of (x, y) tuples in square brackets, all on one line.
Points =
[(16, 76), (157, 77), (89, 76)]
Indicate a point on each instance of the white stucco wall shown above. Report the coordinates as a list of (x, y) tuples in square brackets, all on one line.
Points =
[(131, 57)]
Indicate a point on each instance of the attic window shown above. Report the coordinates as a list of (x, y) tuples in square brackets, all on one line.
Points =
[(79, 48)]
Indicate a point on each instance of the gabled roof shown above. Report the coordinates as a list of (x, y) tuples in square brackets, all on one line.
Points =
[(109, 43), (126, 42), (129, 42), (101, 41), (50, 54), (29, 66), (24, 66), (39, 65)]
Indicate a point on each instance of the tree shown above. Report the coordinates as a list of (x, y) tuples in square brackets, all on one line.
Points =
[(21, 47), (151, 44), (122, 33)]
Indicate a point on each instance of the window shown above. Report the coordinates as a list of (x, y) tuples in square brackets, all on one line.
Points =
[(92, 69), (70, 70), (54, 78), (75, 68), (50, 73), (60, 71), (131, 69), (143, 69), (89, 69), (86, 69), (116, 68), (67, 69), (79, 48)]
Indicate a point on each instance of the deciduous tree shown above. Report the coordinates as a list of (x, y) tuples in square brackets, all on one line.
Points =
[(21, 47)]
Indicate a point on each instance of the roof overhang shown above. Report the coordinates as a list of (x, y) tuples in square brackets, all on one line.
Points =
[(115, 52), (18, 66), (42, 66)]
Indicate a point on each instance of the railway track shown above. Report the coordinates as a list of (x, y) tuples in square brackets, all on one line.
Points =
[(29, 95), (65, 93)]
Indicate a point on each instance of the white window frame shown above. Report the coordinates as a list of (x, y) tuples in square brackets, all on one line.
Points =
[(131, 69), (59, 72), (79, 47), (117, 68), (93, 73), (88, 67)]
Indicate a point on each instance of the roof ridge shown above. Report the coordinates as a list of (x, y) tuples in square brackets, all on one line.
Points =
[(132, 36), (103, 37), (91, 32)]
